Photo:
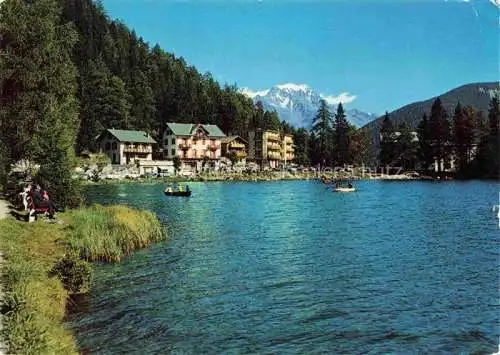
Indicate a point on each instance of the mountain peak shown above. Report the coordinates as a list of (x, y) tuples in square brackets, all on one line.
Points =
[(298, 103), (293, 87)]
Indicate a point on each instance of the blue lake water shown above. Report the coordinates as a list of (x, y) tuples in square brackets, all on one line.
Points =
[(292, 268)]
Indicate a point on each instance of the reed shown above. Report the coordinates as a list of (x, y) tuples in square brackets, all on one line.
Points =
[(34, 300), (110, 233)]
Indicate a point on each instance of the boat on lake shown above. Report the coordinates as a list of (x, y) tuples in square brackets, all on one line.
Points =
[(178, 193), (343, 187)]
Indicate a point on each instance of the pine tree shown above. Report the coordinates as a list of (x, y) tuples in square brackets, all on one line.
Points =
[(361, 145), (440, 134), (406, 148), (463, 135), (142, 102), (487, 158), (387, 142), (342, 141), (322, 129), (424, 151), (38, 82), (301, 143)]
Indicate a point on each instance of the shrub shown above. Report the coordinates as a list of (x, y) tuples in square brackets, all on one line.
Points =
[(74, 273)]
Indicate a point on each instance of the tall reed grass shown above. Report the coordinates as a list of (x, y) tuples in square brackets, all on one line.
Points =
[(110, 233), (34, 302)]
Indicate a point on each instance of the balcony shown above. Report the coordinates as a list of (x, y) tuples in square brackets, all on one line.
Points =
[(273, 137), (273, 155), (289, 149), (235, 145), (214, 147), (184, 146), (137, 149), (273, 146)]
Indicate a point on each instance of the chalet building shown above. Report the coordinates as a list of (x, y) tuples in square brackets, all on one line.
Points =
[(270, 148), (234, 146), (287, 146), (195, 144), (126, 147)]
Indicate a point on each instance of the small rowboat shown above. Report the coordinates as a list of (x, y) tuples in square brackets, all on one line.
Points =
[(343, 186), (344, 189), (178, 193)]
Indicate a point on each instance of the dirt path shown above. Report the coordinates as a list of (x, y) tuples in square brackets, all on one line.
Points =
[(4, 213), (4, 208)]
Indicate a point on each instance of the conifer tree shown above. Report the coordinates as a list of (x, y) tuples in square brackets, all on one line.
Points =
[(361, 145), (424, 151), (440, 134), (342, 140), (142, 102), (387, 142), (487, 158), (322, 129), (39, 110), (406, 148), (301, 143), (463, 135)]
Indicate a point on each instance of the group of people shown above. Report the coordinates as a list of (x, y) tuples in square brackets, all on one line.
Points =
[(35, 200), (179, 188)]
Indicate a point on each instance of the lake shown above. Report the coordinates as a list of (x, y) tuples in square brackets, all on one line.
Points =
[(291, 268)]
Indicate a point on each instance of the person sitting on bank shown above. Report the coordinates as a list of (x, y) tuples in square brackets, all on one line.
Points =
[(40, 199)]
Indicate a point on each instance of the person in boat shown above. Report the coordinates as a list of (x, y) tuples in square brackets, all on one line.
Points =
[(349, 185), (187, 188), (179, 188), (169, 188)]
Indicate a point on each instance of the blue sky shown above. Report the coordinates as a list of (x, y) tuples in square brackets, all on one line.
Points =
[(386, 53)]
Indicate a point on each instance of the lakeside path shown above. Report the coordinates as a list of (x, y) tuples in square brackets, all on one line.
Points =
[(4, 208), (4, 213)]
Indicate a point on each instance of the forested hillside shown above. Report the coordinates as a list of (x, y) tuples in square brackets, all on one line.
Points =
[(67, 71), (123, 82), (476, 95)]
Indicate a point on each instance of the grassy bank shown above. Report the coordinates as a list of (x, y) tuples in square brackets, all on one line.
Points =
[(37, 253)]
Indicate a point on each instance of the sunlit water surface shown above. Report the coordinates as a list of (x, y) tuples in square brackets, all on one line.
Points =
[(290, 267)]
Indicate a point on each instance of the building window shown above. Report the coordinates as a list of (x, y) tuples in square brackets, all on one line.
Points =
[(173, 140), (166, 141), (173, 151), (108, 146), (114, 145)]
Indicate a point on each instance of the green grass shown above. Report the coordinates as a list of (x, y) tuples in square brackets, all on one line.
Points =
[(110, 233), (34, 302)]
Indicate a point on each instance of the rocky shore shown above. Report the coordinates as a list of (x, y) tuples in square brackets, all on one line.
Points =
[(256, 176)]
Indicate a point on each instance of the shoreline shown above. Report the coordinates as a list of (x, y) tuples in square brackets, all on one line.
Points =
[(48, 262), (259, 177)]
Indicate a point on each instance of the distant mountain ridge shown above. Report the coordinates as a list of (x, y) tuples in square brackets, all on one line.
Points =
[(298, 104), (475, 95)]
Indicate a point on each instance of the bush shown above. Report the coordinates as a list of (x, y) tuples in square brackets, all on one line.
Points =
[(74, 273)]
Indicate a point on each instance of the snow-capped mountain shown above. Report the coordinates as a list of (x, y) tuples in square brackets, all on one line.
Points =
[(298, 104)]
